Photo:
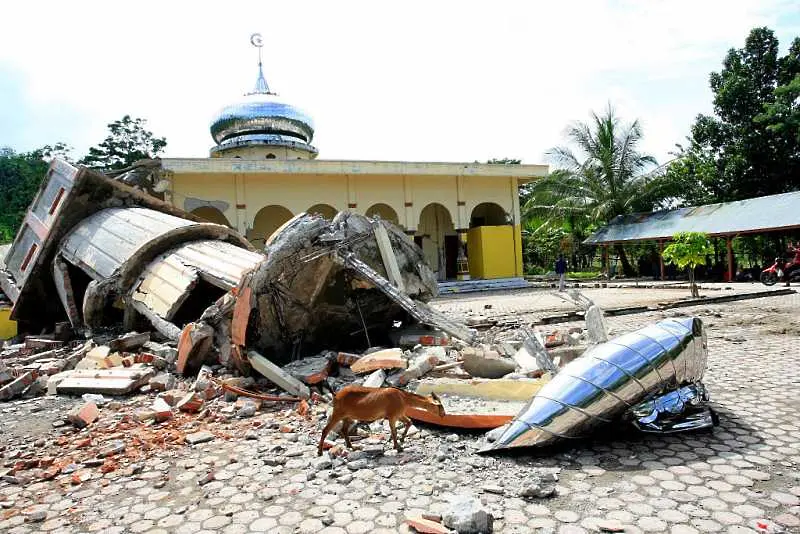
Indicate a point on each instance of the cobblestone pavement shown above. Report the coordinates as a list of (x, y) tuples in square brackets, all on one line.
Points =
[(738, 478)]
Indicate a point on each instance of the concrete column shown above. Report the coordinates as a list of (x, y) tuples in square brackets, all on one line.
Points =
[(352, 196), (408, 205), (462, 217), (661, 257), (240, 196)]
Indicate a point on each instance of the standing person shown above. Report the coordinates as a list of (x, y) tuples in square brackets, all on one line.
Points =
[(561, 271), (795, 265)]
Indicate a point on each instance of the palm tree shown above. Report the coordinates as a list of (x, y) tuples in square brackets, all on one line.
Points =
[(604, 178)]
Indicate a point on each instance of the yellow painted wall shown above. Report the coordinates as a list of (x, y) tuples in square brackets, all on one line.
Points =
[(210, 188), (480, 189), (297, 193), (371, 190), (491, 252), (494, 251), (434, 189), (8, 328)]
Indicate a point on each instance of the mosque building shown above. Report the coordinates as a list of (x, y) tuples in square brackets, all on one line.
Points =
[(263, 170)]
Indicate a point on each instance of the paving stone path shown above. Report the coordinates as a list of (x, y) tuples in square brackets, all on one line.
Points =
[(742, 477)]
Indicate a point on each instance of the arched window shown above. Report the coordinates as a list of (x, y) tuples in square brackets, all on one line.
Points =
[(270, 156)]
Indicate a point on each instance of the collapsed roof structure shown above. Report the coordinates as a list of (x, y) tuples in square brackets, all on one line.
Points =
[(117, 256)]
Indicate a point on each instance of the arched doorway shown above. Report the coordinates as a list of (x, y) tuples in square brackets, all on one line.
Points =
[(329, 212), (384, 211), (488, 214), (267, 220), (211, 214), (438, 239)]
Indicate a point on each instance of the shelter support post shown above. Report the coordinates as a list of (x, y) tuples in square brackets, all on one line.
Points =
[(605, 260), (661, 258), (729, 242)]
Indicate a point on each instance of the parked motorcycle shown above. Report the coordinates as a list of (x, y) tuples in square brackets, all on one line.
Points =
[(771, 275)]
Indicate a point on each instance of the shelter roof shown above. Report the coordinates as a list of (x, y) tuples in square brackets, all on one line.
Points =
[(761, 214)]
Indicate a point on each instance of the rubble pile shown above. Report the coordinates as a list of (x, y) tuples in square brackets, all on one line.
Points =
[(222, 341)]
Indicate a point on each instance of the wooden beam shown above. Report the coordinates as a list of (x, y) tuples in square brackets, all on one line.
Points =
[(729, 241)]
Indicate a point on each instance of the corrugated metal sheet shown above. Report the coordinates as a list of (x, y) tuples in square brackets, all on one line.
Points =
[(101, 243), (167, 281), (774, 212), (165, 285), (219, 263)]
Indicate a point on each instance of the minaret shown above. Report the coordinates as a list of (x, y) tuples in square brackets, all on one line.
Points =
[(262, 125)]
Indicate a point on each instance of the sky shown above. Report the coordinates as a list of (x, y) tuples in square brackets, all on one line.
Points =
[(411, 81)]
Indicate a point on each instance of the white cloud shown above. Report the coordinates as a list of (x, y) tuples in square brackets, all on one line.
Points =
[(407, 81)]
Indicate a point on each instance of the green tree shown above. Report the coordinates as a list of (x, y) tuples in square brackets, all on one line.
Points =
[(20, 177), (128, 141), (750, 146), (604, 177), (688, 249)]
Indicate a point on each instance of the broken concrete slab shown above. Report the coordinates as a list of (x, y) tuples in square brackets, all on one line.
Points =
[(382, 359), (278, 376), (17, 386), (129, 342), (106, 381), (311, 370), (482, 363), (199, 437)]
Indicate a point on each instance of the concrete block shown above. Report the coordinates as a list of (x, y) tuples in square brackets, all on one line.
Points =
[(486, 363), (199, 437), (278, 376)]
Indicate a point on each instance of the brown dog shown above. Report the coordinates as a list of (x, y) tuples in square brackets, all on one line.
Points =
[(357, 403)]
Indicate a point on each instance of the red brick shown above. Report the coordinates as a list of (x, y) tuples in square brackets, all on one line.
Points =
[(426, 526), (191, 402), (84, 416)]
